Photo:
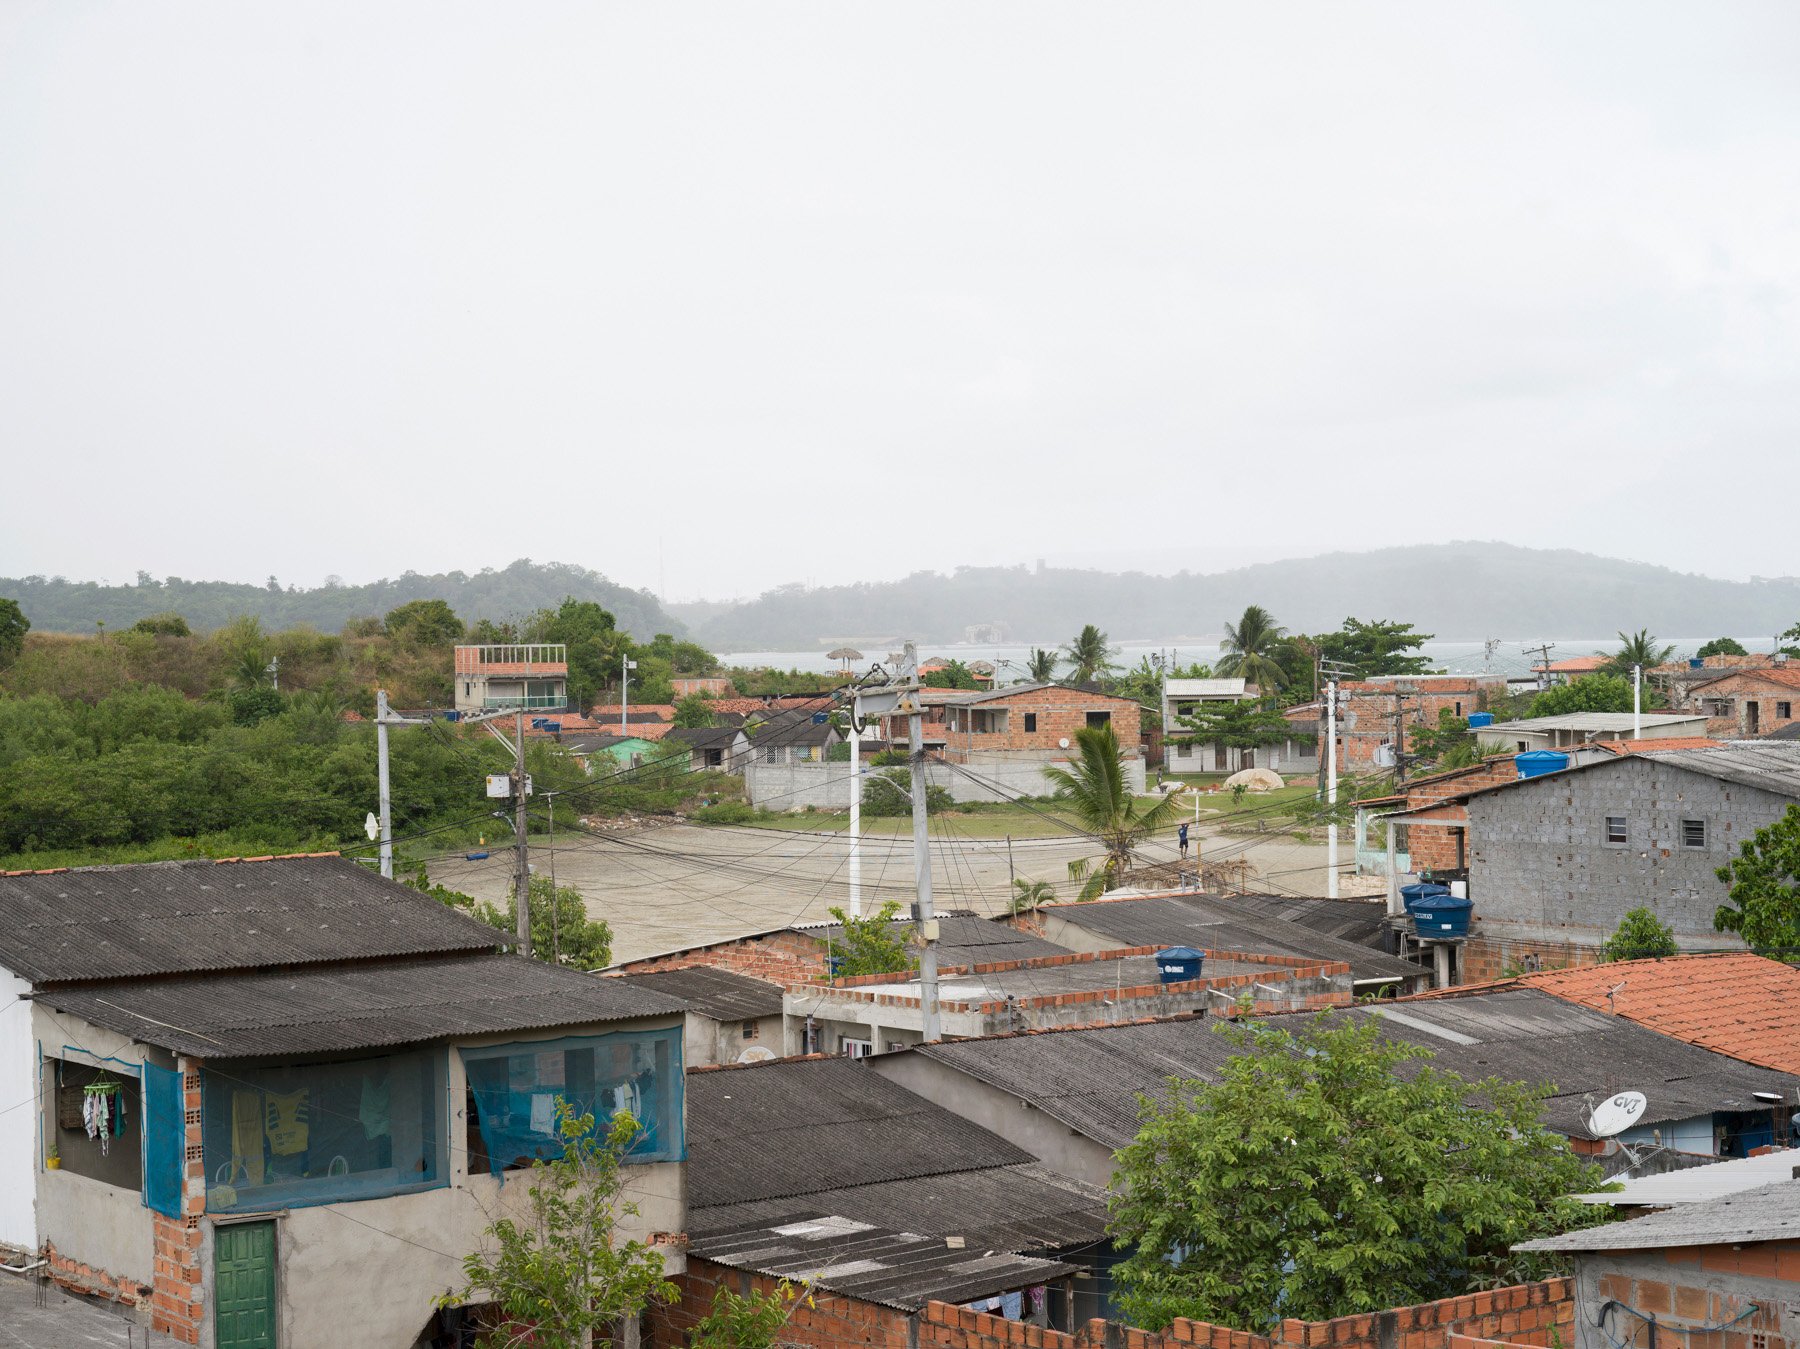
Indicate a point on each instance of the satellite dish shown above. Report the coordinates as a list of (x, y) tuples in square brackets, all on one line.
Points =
[(371, 825), (756, 1054), (1616, 1113), (1063, 743)]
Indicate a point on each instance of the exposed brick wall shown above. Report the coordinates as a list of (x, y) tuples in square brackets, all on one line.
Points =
[(1059, 713), (1528, 1314), (1691, 1286), (177, 1306), (80, 1277), (1483, 958), (1366, 713), (779, 957)]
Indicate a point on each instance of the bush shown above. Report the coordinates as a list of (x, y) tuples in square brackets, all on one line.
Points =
[(726, 812), (888, 794)]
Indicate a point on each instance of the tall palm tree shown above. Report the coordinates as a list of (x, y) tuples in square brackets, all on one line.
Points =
[(1251, 646), (1095, 790), (1089, 654), (1640, 648), (1040, 665)]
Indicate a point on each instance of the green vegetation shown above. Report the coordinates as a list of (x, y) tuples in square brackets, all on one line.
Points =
[(1376, 647), (1722, 646), (561, 931), (753, 1321), (872, 945), (1093, 790), (694, 712), (1242, 725), (889, 793), (954, 675), (1764, 881), (1251, 646), (1592, 693), (1324, 1174), (560, 1275), (1028, 895), (13, 627), (1040, 666), (1638, 648), (1088, 655), (1641, 935)]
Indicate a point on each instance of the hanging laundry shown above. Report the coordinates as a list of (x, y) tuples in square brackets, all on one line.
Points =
[(1012, 1306), (95, 1118), (373, 1112), (246, 1138), (286, 1122)]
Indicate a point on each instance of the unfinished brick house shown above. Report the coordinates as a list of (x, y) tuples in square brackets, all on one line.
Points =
[(1747, 703), (1374, 715), (1023, 721)]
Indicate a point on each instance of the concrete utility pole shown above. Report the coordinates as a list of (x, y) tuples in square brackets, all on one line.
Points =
[(523, 879), (1543, 649), (1637, 702), (626, 666), (1332, 670), (385, 718), (924, 920), (856, 725)]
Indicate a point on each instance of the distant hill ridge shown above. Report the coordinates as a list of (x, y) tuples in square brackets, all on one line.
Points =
[(1453, 590), (55, 604)]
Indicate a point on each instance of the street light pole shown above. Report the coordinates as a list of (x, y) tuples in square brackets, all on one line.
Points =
[(626, 666)]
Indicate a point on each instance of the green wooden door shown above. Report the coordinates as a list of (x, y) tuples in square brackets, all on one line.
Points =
[(244, 1285)]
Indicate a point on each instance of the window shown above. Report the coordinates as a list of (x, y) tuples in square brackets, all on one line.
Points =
[(1030, 722), (855, 1049), (315, 1133), (749, 1030), (771, 756), (1099, 718), (116, 1156), (516, 1087), (1783, 711), (1693, 833), (1615, 830)]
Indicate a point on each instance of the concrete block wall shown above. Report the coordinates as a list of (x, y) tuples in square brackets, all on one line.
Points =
[(1752, 1292), (1540, 869)]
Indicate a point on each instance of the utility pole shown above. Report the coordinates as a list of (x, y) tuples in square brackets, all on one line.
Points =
[(1331, 669), (626, 666), (384, 718), (1543, 667), (924, 920), (523, 880), (555, 936), (856, 725), (1637, 702)]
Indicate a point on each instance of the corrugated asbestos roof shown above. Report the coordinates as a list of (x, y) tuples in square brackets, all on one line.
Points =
[(1091, 1079), (966, 940), (1771, 1213), (366, 1005), (1700, 1184), (1771, 765), (1002, 1208), (902, 1270), (723, 995), (1232, 925), (798, 1127), (180, 917)]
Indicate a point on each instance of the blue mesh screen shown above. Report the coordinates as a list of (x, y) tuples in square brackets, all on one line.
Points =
[(316, 1133), (515, 1088)]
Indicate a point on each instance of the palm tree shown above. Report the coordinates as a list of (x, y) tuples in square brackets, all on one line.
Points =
[(1027, 895), (1640, 648), (1089, 654), (1095, 790), (1251, 646), (1041, 666)]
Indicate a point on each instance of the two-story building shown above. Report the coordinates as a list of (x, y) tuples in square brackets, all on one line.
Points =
[(1374, 716), (279, 1100), (1747, 703), (529, 676)]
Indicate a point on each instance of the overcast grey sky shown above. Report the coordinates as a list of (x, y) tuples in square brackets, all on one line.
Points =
[(713, 297)]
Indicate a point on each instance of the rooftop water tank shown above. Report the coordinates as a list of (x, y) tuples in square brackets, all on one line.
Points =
[(1442, 916), (1480, 719), (1537, 762), (1410, 895), (1696, 663), (1176, 964)]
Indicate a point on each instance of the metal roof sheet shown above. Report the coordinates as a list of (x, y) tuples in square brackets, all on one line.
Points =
[(1697, 1184), (178, 917), (375, 1004), (1770, 1213), (723, 995), (1091, 1079), (801, 1126), (902, 1270), (1772, 765)]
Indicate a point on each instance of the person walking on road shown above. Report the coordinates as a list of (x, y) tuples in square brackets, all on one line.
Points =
[(1181, 837)]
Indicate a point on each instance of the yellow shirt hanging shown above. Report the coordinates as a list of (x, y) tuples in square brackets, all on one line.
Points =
[(285, 1119)]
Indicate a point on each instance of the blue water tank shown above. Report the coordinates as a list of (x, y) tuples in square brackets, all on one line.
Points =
[(1537, 762), (1442, 916), (1410, 895), (1176, 964), (1480, 719), (1696, 663)]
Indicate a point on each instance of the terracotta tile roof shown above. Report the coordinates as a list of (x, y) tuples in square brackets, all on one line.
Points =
[(1742, 1005), (1574, 665), (1785, 676)]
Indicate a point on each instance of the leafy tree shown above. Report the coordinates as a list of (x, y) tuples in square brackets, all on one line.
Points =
[(1433, 744), (1325, 1174), (13, 627), (1235, 725), (688, 658), (1040, 666), (163, 625), (1764, 908), (955, 675), (246, 650), (561, 1276), (1028, 895), (872, 945), (1377, 647), (694, 712), (1722, 646), (1591, 693), (595, 644), (1640, 936), (1089, 654), (424, 623), (753, 1321), (560, 925), (1791, 636), (1638, 648), (1252, 646), (258, 702), (888, 794), (1095, 790), (486, 632)]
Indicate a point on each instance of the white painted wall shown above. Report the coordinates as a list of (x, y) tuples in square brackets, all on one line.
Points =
[(18, 1125)]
